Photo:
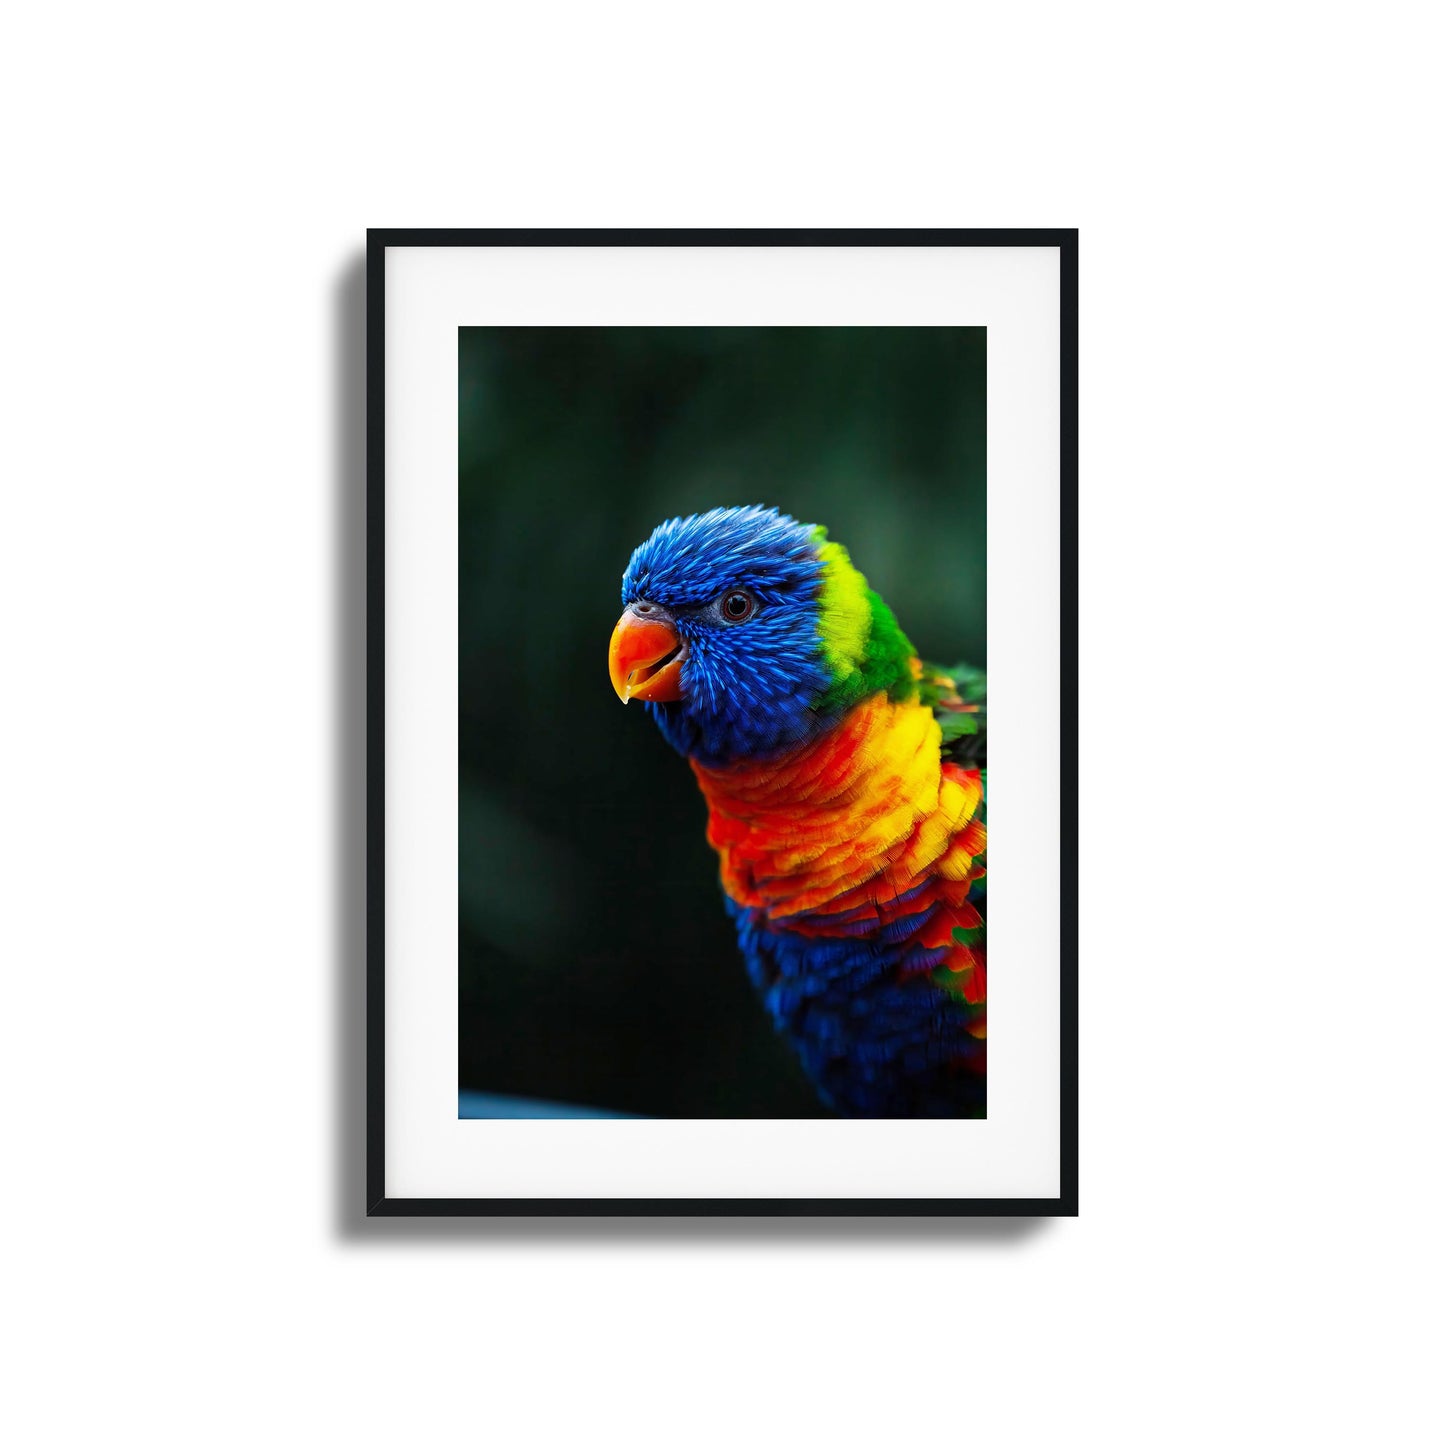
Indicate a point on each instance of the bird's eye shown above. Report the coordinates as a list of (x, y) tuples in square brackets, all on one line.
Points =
[(738, 606)]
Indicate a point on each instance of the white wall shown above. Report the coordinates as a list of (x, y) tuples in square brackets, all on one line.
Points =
[(186, 192)]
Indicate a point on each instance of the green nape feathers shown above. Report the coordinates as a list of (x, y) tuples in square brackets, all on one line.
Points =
[(865, 648)]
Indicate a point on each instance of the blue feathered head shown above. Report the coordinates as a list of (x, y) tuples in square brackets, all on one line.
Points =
[(746, 633)]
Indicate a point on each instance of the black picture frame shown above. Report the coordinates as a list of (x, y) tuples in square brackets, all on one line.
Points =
[(377, 1202)]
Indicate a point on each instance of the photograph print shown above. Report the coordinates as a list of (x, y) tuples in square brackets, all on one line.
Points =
[(723, 723)]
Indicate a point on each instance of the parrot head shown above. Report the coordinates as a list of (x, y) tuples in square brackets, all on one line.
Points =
[(747, 633)]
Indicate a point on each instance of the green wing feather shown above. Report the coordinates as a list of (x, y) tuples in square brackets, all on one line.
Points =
[(959, 699)]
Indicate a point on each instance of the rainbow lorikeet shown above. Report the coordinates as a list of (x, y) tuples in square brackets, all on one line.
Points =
[(845, 785)]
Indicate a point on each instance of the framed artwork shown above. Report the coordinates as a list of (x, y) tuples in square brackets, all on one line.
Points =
[(706, 569)]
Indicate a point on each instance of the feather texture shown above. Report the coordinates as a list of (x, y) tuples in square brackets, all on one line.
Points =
[(854, 869)]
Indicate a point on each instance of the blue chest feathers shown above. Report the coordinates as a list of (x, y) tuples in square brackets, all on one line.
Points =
[(875, 1044)]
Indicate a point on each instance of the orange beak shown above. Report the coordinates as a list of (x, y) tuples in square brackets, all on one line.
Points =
[(645, 660)]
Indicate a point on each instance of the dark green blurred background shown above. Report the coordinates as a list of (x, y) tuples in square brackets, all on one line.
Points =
[(597, 965)]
